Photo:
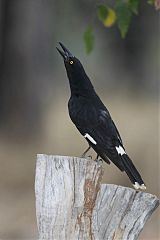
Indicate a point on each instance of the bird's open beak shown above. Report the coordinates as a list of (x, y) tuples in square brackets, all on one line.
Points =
[(66, 54)]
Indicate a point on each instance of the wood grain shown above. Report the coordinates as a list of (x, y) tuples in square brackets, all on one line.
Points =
[(72, 204)]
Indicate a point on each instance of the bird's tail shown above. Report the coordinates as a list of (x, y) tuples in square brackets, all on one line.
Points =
[(132, 172)]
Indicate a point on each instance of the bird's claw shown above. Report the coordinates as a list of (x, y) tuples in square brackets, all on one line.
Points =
[(87, 157), (99, 160)]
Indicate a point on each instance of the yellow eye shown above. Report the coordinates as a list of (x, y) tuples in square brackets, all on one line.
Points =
[(71, 62)]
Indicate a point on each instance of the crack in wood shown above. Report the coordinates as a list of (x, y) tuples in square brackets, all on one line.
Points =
[(72, 204)]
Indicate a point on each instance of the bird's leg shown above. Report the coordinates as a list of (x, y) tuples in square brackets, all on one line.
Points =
[(98, 160), (84, 154)]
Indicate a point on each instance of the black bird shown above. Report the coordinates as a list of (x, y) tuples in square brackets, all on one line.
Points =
[(93, 120)]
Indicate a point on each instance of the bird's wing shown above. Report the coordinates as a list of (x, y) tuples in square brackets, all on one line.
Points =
[(101, 133), (100, 130), (105, 118)]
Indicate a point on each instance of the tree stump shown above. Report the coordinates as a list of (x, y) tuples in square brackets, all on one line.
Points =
[(72, 204)]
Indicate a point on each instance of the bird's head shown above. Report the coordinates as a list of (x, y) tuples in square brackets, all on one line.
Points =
[(72, 64), (79, 81)]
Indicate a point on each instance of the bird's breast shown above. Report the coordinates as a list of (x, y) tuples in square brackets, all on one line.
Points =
[(81, 110)]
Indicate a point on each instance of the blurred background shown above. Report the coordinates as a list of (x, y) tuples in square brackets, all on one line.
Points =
[(34, 92)]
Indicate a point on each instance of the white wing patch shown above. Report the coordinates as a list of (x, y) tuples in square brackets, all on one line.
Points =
[(90, 138), (120, 150)]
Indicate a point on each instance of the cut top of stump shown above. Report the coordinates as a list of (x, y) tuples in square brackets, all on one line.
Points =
[(71, 202)]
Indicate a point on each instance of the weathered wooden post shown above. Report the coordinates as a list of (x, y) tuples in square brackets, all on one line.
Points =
[(72, 204)]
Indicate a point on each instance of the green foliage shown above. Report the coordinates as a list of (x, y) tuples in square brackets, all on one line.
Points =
[(120, 15), (89, 39), (106, 15), (134, 6), (125, 10), (124, 15), (102, 12)]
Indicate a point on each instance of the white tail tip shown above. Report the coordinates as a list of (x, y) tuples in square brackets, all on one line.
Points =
[(138, 186)]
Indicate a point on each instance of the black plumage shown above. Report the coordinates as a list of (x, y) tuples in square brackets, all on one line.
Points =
[(93, 120)]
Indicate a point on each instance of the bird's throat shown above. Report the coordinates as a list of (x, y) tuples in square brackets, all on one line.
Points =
[(80, 85)]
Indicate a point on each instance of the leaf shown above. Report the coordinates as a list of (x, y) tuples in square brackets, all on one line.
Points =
[(124, 15), (106, 15), (110, 19), (89, 39), (134, 5), (102, 12)]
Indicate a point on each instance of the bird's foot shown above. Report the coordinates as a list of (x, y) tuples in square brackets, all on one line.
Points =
[(87, 157), (98, 160)]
